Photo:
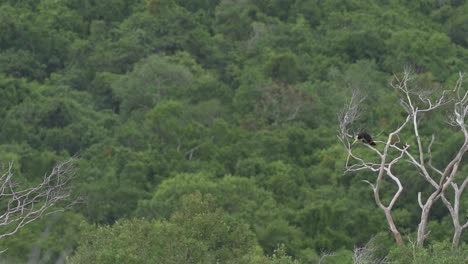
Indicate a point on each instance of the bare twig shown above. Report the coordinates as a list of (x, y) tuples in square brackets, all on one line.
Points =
[(22, 206), (349, 114), (447, 176), (324, 255), (415, 101), (383, 168), (367, 254)]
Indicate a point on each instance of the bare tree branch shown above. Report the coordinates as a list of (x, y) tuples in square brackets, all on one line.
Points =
[(447, 176), (349, 114), (429, 154), (383, 168), (324, 255), (367, 254), (21, 206), (455, 209), (415, 101), (420, 200)]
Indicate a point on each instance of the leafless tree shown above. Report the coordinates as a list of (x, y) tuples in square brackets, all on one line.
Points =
[(383, 167), (457, 120), (22, 205), (415, 101)]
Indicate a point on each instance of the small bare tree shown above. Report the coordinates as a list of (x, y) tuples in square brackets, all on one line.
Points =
[(367, 254), (21, 206), (415, 102), (382, 168)]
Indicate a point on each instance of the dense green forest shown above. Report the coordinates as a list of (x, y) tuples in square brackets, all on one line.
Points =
[(206, 130)]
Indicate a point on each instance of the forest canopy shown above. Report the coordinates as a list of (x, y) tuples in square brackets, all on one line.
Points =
[(206, 130)]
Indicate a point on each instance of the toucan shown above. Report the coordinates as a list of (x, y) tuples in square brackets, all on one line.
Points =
[(365, 138)]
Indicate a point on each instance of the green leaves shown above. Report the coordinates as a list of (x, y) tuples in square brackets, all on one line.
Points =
[(420, 49), (153, 80), (198, 232), (439, 252), (234, 100)]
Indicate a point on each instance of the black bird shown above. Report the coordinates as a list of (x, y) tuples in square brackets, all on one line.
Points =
[(366, 138)]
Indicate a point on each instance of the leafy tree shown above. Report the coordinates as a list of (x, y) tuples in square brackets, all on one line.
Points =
[(439, 252), (237, 196), (153, 80), (235, 99), (233, 19), (197, 232)]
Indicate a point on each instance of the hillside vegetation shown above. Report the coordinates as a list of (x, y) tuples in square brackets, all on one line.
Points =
[(206, 130)]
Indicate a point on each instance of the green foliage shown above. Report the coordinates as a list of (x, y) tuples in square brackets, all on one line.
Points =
[(237, 196), (112, 186), (13, 92), (233, 19), (422, 50), (152, 81), (45, 240), (233, 99), (279, 256), (197, 232), (21, 63), (457, 25), (285, 68), (439, 252)]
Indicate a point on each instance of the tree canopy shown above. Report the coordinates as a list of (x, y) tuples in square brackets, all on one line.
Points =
[(206, 130)]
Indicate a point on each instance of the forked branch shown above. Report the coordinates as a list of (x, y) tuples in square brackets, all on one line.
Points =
[(455, 209), (383, 168), (415, 101), (21, 206)]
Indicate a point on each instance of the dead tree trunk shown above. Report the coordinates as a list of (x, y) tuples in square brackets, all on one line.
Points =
[(454, 211), (416, 103), (383, 169)]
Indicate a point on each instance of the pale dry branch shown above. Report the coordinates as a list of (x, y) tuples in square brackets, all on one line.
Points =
[(424, 96), (415, 101), (383, 168), (414, 111), (368, 182), (447, 176), (21, 206), (455, 209), (394, 178), (422, 169), (367, 254), (429, 154), (349, 114), (325, 254), (361, 164), (420, 200)]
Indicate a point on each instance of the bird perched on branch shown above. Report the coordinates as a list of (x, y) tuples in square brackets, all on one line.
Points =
[(365, 138)]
